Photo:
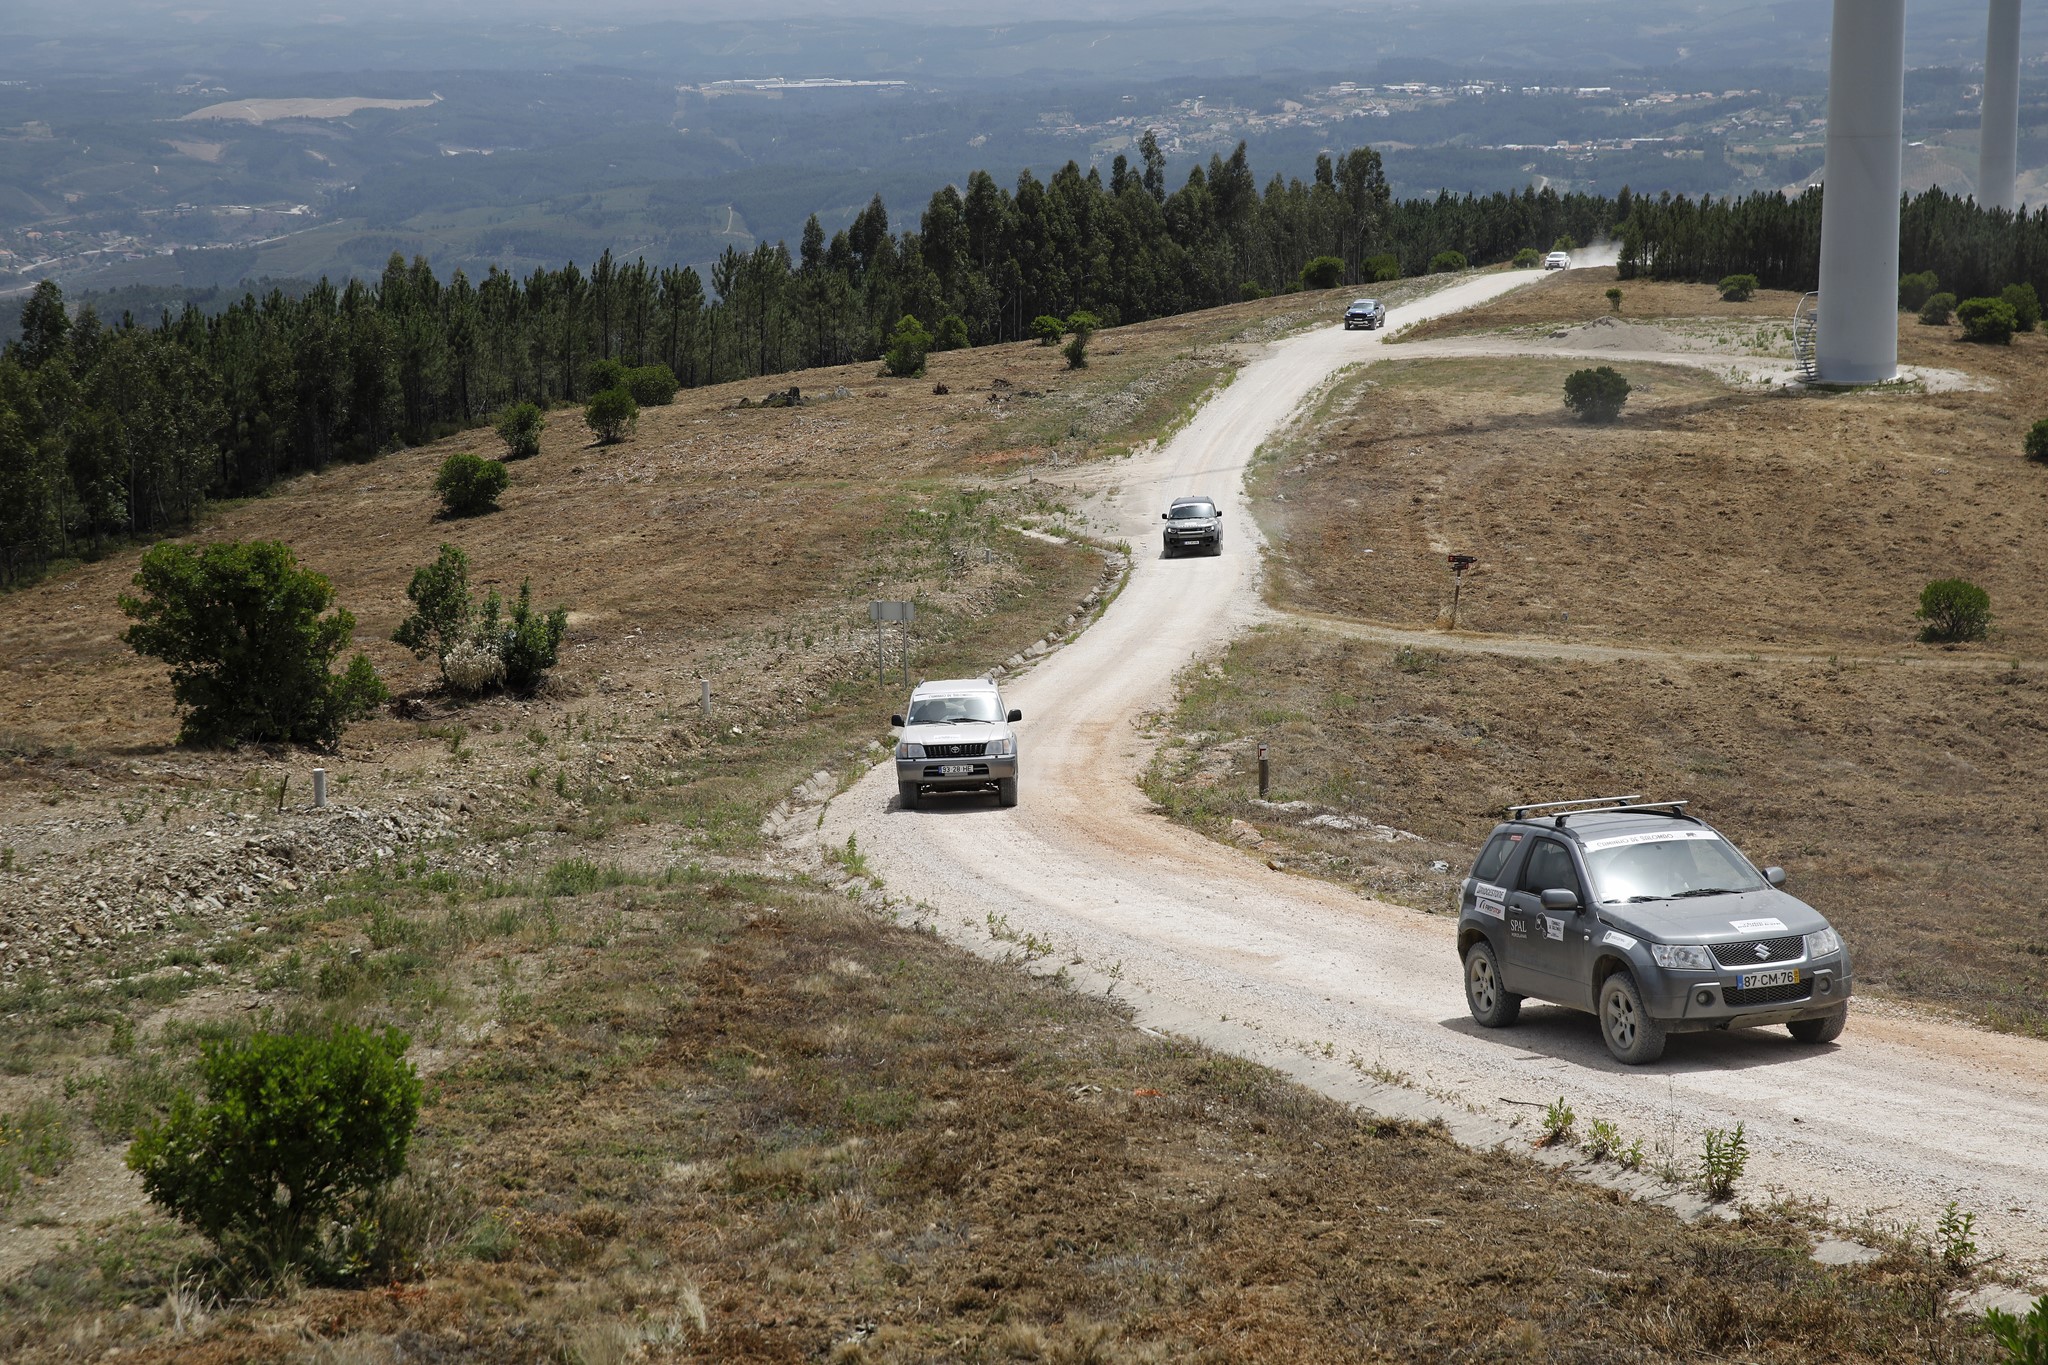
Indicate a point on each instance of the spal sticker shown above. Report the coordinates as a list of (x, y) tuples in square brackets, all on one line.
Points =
[(1756, 926), (1618, 939)]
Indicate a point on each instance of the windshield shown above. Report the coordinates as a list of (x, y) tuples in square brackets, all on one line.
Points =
[(1191, 511), (976, 707), (1364, 305), (1667, 865)]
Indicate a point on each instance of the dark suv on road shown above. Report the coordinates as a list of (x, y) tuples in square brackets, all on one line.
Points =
[(1648, 918), (1366, 313)]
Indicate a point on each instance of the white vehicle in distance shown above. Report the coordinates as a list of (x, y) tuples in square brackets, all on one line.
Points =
[(956, 737), (1558, 260)]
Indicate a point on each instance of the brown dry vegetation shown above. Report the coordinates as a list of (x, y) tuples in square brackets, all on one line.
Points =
[(670, 1078), (1768, 550)]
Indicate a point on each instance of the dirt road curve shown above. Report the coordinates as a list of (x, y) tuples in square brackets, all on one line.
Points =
[(1904, 1115)]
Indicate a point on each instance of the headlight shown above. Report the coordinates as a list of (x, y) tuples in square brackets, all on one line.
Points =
[(1826, 943), (1006, 747), (905, 749), (1684, 957)]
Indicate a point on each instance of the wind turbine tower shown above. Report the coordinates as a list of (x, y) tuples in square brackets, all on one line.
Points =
[(1998, 149), (1858, 341)]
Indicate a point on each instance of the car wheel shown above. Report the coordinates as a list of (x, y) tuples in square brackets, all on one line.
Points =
[(1006, 790), (1491, 1003), (906, 795), (1630, 1033), (1825, 1029)]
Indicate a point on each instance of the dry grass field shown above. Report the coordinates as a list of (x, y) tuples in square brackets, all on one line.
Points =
[(687, 1102), (1762, 553)]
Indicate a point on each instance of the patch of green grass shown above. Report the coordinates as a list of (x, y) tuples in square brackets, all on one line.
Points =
[(580, 877), (35, 1140)]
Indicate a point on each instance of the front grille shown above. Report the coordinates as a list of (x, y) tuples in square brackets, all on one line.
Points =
[(955, 750), (1744, 954), (1771, 995)]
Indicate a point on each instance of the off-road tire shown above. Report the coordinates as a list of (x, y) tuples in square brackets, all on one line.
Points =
[(906, 795), (1492, 1004), (1626, 1027), (1825, 1029), (1216, 550), (1006, 790)]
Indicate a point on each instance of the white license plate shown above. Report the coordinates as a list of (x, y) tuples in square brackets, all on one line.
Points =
[(955, 769), (1788, 976)]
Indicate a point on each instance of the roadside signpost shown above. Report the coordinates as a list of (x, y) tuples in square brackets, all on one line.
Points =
[(902, 614), (1459, 564)]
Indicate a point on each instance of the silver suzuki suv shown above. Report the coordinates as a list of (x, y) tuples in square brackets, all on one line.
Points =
[(1645, 916), (956, 737)]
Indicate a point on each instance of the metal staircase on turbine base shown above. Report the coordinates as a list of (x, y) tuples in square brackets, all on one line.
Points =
[(1806, 336)]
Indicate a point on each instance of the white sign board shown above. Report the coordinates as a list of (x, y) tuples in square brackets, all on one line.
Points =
[(905, 612)]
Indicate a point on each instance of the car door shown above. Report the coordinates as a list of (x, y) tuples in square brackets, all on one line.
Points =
[(1547, 946)]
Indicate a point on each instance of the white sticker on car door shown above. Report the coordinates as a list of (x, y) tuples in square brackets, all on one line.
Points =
[(1553, 928)]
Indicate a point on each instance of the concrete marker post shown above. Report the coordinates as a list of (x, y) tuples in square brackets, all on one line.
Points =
[(319, 788), (1265, 773)]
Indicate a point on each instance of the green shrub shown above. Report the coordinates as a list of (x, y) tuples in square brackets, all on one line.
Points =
[(441, 609), (1528, 258), (1324, 272), (2020, 1341), (1048, 329), (519, 427), (1380, 269), (1614, 299), (1991, 321), (1076, 350), (2025, 304), (1081, 320), (1938, 309), (1252, 289), (527, 642), (296, 1132), (908, 346), (652, 386), (1955, 610), (1445, 262), (1565, 243), (611, 414), (1915, 290), (1738, 288), (1724, 1156), (469, 485), (952, 334), (2037, 442), (241, 625), (600, 375), (1595, 395)]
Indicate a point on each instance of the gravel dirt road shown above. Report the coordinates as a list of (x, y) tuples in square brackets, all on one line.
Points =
[(1362, 999)]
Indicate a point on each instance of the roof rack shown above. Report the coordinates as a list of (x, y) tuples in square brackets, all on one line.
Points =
[(1591, 805)]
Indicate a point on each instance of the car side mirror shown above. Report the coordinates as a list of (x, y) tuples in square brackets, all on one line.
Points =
[(896, 721), (1559, 898), (1162, 516), (1775, 876), (1015, 714)]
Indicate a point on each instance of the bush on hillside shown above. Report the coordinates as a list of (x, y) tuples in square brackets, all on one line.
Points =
[(1565, 243), (1528, 258), (527, 642), (1938, 309), (1446, 262), (1048, 329), (1991, 321), (297, 1132), (469, 485), (1955, 610), (1614, 299), (1380, 269), (1737, 288), (600, 375), (441, 610), (1251, 290), (2025, 304), (611, 415), (1082, 325), (908, 346), (2037, 442), (1324, 272), (1915, 290), (519, 427), (241, 625), (652, 386), (952, 334), (1595, 395)]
